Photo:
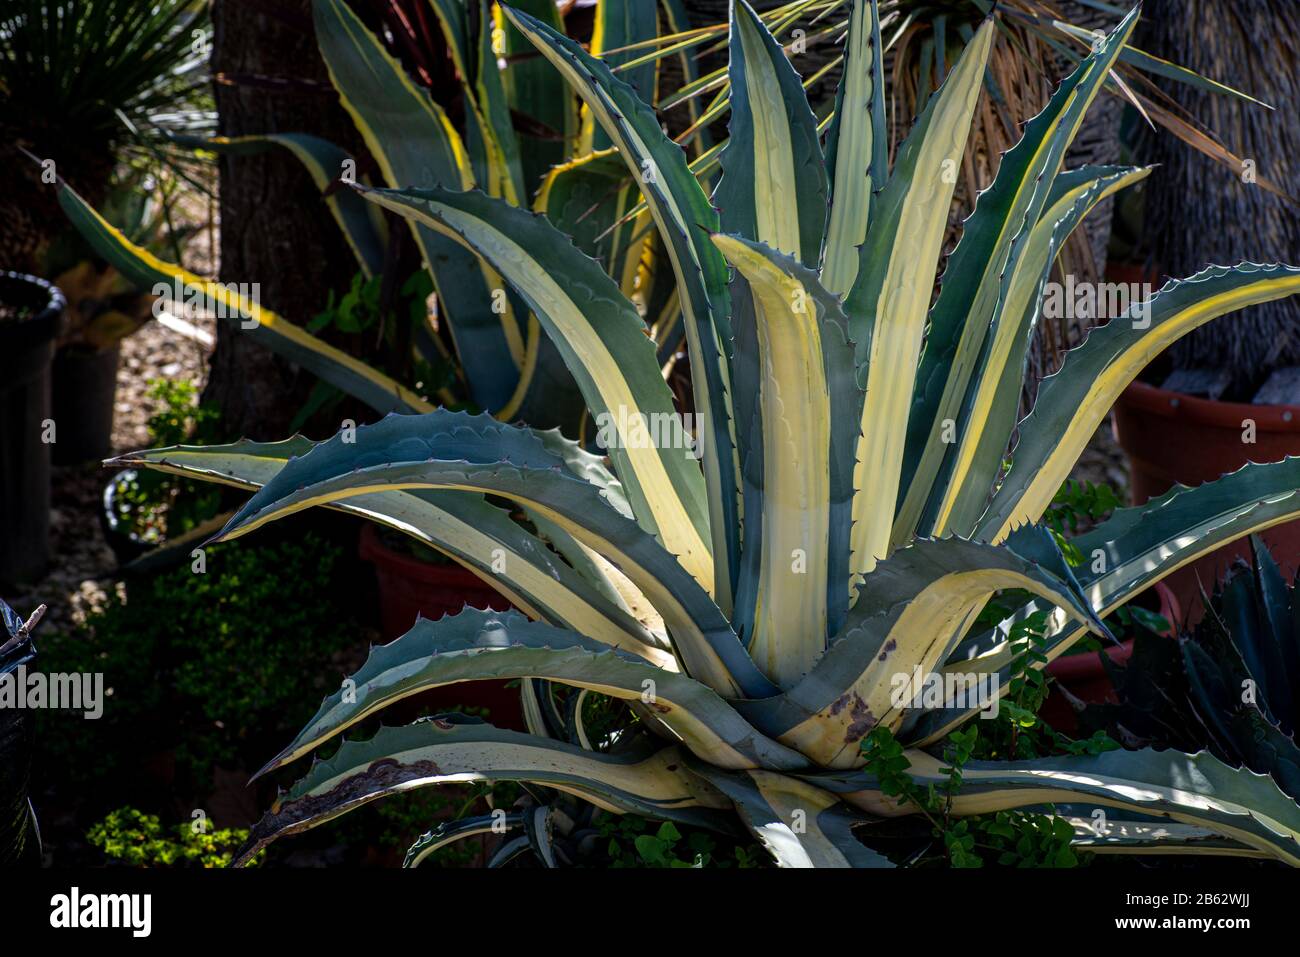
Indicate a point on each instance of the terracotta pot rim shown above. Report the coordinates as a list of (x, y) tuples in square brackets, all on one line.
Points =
[(1070, 668), (1211, 412), (373, 550)]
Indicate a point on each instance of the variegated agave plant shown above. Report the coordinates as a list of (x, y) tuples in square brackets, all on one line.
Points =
[(851, 514)]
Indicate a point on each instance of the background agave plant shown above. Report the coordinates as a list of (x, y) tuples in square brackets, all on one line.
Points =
[(1229, 686), (852, 515), (506, 365)]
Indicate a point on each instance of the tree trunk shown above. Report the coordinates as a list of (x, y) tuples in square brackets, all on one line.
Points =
[(276, 230), (1199, 212)]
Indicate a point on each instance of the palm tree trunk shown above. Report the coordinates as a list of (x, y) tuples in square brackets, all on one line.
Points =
[(277, 231), (1197, 211)]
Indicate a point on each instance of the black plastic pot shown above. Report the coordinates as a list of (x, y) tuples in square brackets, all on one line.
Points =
[(85, 391), (20, 841), (126, 544), (26, 350)]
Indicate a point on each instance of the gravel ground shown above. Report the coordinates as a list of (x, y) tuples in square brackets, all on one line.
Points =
[(81, 563)]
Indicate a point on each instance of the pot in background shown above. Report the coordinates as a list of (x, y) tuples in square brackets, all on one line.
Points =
[(410, 588), (1084, 676), (85, 391), (1171, 438), (27, 347)]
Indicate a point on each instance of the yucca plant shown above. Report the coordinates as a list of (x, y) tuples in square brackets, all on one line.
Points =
[(88, 84), (850, 514)]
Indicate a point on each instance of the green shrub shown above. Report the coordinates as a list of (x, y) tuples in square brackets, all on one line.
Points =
[(210, 664), (134, 839)]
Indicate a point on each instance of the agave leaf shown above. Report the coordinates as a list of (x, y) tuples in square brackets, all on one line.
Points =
[(324, 162), (676, 21), (1073, 402), (1196, 789), (450, 748), (1274, 657), (492, 126), (773, 187), (450, 450), (917, 605), (799, 376), (684, 217), (1151, 837), (602, 339), (857, 147), (619, 24), (895, 277), (449, 832), (1243, 731), (1130, 551), (997, 234), (415, 144), (988, 414), (145, 270), (799, 824), (477, 645), (461, 525), (582, 559), (582, 197), (535, 90)]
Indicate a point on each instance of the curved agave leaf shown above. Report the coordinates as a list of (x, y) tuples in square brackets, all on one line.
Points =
[(894, 282), (324, 162), (1132, 550), (799, 824), (994, 237), (451, 748), (1196, 789), (916, 606), (453, 450), (586, 562), (796, 371), (1072, 403), (682, 212), (449, 832), (415, 144), (1147, 837), (988, 415), (602, 339), (461, 525), (146, 270), (857, 147), (477, 645), (773, 188)]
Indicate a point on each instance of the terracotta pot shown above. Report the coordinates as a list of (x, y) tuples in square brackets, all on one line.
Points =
[(1084, 676), (409, 589), (1170, 437)]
